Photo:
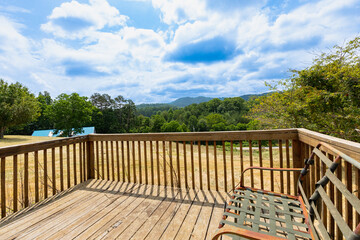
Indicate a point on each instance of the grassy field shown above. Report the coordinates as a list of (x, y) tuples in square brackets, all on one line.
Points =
[(21, 139)]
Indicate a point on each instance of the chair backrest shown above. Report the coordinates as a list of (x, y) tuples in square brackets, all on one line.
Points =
[(320, 196)]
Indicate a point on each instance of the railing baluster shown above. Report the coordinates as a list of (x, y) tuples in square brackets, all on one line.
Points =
[(112, 160), (338, 202), (288, 166), (15, 183), (232, 165), (348, 183), (61, 169), (241, 156), (117, 160), (134, 160), (128, 159), (139, 152), (36, 169), (123, 161), (74, 160), (97, 160), (178, 164), (216, 170), (224, 162), (152, 163), (251, 163), (261, 164), (185, 165), (107, 160), (171, 164), (157, 163), (3, 196), (281, 159), (164, 163), (45, 175), (146, 164), (68, 165), (26, 179), (53, 171), (272, 165), (80, 162), (200, 165), (332, 198), (102, 160), (192, 165), (207, 165)]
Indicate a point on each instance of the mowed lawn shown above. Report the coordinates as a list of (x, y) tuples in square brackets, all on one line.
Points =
[(21, 139)]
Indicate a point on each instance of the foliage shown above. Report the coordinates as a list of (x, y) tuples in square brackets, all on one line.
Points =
[(69, 113), (17, 106), (324, 97)]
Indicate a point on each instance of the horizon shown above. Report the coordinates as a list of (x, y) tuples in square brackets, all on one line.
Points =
[(156, 51)]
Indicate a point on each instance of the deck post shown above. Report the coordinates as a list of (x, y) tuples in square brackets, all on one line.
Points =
[(90, 159)]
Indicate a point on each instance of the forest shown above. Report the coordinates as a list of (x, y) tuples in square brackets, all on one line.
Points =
[(323, 97)]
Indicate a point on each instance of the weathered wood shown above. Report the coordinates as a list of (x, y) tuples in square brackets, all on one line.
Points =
[(123, 161), (146, 164), (15, 183), (128, 160), (157, 162), (207, 165), (98, 160), (81, 163), (349, 186), (313, 138), (192, 165), (272, 165), (171, 165), (200, 165), (338, 200), (31, 147), (45, 175), (3, 190), (152, 163), (297, 161), (224, 163), (139, 156), (215, 168), (287, 156), (201, 136), (26, 179), (232, 165), (281, 159), (68, 165), (91, 160), (61, 168), (107, 160), (261, 164), (36, 176), (251, 164), (102, 160), (178, 165), (74, 162), (134, 161), (117, 160), (185, 165), (112, 160), (164, 163), (53, 171)]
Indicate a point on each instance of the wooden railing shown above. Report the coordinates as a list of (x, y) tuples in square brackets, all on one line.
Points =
[(204, 160)]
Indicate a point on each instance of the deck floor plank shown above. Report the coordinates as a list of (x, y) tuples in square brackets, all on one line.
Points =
[(100, 209)]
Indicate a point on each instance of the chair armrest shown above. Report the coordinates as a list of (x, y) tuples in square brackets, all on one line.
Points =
[(243, 233), (268, 169)]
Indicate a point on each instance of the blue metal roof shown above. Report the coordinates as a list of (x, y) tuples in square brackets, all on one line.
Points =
[(50, 132)]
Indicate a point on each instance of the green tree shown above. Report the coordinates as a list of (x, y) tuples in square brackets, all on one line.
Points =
[(17, 106), (172, 126), (70, 113), (324, 97), (215, 121)]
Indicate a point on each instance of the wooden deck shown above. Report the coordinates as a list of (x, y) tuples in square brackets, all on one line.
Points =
[(99, 209)]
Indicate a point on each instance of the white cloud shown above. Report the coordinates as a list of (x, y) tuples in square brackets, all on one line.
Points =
[(75, 20)]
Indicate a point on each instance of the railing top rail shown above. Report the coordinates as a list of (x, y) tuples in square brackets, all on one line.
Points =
[(313, 138), (36, 146), (200, 136)]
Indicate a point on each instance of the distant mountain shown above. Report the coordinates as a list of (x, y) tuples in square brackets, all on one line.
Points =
[(186, 101)]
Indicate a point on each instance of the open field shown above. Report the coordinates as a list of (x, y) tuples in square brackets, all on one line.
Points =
[(10, 140)]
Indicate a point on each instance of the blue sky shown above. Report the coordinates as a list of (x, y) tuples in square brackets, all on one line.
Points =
[(157, 50)]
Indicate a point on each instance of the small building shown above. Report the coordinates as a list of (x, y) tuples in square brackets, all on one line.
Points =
[(50, 132)]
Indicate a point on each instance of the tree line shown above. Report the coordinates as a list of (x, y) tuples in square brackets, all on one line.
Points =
[(324, 97)]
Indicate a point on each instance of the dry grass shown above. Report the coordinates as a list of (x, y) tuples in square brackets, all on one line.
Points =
[(10, 140)]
